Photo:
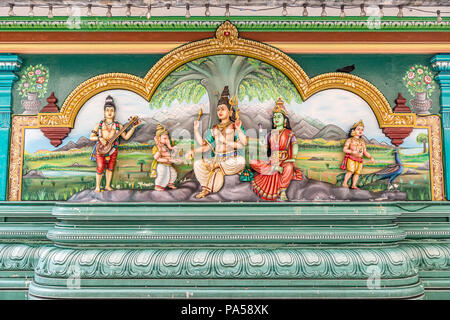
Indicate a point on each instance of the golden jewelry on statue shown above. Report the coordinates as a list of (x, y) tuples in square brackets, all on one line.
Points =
[(222, 126), (279, 107), (360, 123)]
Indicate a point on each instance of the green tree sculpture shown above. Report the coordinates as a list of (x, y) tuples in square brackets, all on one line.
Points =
[(141, 162), (245, 76), (422, 138)]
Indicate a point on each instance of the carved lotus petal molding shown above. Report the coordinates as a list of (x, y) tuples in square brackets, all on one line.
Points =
[(324, 263)]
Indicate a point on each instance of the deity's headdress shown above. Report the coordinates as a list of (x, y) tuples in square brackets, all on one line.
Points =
[(352, 132), (160, 130), (109, 102), (226, 100), (360, 123), (279, 107)]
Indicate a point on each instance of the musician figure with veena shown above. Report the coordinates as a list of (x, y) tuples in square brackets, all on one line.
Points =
[(107, 133)]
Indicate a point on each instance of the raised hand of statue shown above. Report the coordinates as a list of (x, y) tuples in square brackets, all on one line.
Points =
[(189, 155), (238, 123), (137, 123), (196, 124)]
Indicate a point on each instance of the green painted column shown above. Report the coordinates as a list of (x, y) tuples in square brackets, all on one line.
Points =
[(8, 64), (441, 63)]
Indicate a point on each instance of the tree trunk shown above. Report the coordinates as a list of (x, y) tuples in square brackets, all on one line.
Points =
[(142, 167), (213, 96), (213, 99), (424, 147)]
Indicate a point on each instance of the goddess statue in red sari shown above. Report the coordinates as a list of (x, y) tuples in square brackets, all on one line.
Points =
[(275, 175)]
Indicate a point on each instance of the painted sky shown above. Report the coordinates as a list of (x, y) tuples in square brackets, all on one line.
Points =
[(127, 104), (344, 108), (334, 106)]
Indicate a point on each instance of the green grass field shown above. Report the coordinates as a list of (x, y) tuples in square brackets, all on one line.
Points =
[(127, 173)]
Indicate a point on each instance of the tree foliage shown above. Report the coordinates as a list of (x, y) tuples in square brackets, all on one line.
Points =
[(245, 76), (422, 138)]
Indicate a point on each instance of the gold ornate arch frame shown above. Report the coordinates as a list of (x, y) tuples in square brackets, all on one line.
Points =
[(226, 41)]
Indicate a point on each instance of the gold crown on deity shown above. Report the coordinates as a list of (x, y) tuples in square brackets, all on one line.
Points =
[(360, 123), (279, 107), (160, 130)]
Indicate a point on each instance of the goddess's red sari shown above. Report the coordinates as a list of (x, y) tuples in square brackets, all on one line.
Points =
[(269, 183)]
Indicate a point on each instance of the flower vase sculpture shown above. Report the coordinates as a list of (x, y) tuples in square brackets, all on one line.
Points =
[(421, 104), (31, 104), (419, 82), (32, 86)]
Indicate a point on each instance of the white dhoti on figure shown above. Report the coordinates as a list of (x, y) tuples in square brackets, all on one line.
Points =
[(213, 178), (165, 175)]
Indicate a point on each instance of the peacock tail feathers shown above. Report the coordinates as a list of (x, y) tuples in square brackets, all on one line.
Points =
[(364, 179)]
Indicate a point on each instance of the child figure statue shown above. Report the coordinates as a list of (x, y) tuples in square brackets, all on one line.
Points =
[(354, 149), (104, 133), (162, 166)]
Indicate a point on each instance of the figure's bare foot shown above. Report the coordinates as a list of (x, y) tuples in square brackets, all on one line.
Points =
[(345, 185), (171, 186), (158, 188), (355, 187), (283, 196), (109, 189), (202, 194), (97, 190)]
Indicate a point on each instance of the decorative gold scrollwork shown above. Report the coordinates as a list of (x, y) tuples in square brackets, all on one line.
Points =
[(227, 41)]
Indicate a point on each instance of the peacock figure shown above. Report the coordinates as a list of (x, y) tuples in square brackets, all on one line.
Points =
[(390, 172)]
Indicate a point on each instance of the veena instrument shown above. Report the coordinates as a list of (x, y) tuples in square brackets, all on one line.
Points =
[(104, 149)]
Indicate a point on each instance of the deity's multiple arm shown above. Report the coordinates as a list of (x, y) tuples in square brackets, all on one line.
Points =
[(198, 136), (242, 138)]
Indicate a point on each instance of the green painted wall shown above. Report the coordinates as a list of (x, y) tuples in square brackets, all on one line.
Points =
[(68, 71), (383, 70)]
